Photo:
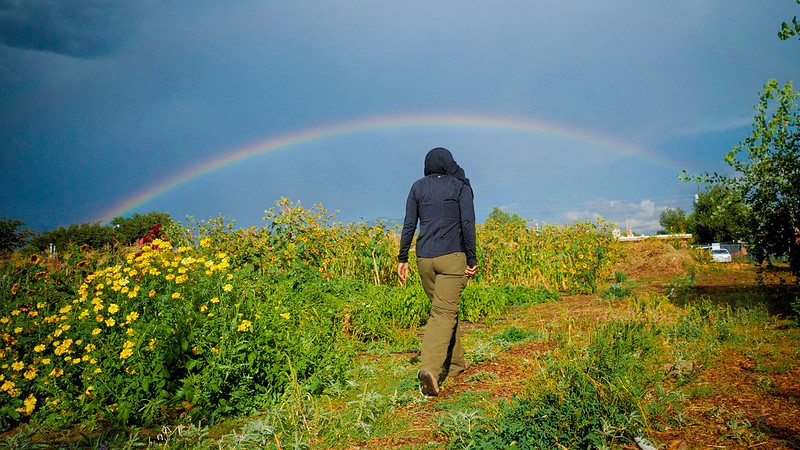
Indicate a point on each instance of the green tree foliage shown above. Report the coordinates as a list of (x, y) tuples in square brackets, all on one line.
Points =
[(674, 220), (768, 166), (129, 230), (502, 218), (790, 29), (719, 216), (13, 235), (121, 231), (63, 238)]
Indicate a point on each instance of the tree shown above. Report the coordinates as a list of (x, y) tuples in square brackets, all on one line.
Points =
[(64, 238), (13, 235), (121, 231), (768, 165), (503, 218), (790, 29), (674, 220), (127, 231), (719, 216)]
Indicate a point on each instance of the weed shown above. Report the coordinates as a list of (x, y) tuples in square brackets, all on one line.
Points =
[(513, 334), (459, 426), (482, 375), (615, 291)]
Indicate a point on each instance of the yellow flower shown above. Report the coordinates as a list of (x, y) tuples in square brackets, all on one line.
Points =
[(56, 372), (227, 288), (30, 404), (18, 365), (151, 293), (110, 322), (46, 361), (18, 330), (203, 308), (286, 316), (244, 325), (132, 316), (30, 374), (96, 331), (14, 289), (39, 348), (99, 318), (176, 295), (7, 386), (113, 308), (125, 353), (214, 299)]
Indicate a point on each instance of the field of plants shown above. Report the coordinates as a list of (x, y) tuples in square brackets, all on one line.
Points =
[(298, 334)]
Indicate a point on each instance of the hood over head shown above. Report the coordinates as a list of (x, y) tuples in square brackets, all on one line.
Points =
[(440, 161)]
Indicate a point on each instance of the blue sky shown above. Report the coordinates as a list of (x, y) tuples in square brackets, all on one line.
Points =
[(105, 101)]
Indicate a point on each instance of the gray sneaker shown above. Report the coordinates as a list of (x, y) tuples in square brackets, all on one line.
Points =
[(427, 383)]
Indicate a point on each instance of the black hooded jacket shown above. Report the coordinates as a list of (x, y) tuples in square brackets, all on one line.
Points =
[(442, 203)]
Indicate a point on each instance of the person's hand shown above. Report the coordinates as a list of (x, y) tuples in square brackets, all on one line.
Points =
[(471, 271), (402, 271)]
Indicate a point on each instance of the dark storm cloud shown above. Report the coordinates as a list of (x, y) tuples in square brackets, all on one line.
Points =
[(84, 29)]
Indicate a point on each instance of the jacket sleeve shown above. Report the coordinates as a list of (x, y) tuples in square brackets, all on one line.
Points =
[(409, 226), (465, 201)]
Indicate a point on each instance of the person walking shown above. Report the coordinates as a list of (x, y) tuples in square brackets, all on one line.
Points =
[(442, 203)]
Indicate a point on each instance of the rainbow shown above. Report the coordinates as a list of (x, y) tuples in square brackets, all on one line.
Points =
[(324, 132)]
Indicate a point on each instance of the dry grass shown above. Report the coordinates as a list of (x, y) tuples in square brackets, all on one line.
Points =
[(645, 259)]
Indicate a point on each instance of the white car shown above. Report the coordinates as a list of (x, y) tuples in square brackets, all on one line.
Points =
[(721, 255)]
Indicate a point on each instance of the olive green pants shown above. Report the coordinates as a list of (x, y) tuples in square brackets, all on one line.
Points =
[(443, 280)]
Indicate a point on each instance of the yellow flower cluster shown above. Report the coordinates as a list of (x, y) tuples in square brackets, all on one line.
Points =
[(100, 313), (29, 404), (10, 388)]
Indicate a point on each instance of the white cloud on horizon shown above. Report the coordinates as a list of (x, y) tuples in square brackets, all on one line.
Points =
[(642, 217)]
